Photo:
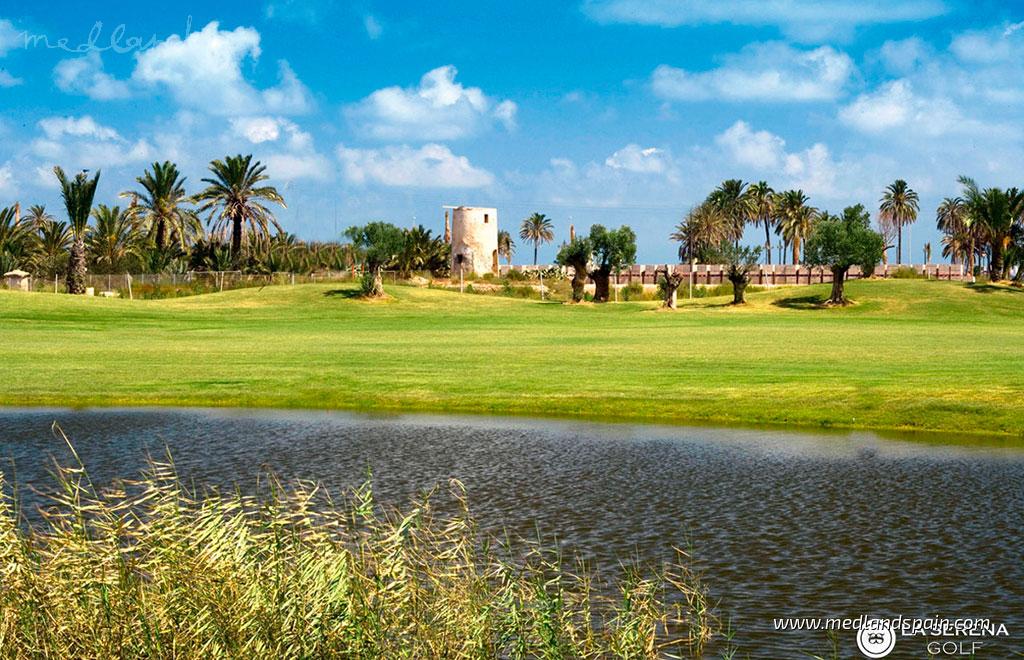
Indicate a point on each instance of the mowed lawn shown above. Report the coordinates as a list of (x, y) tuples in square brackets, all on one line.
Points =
[(909, 355)]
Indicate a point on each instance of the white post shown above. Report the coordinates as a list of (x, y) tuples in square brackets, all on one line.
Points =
[(55, 282), (460, 280), (541, 273), (128, 278)]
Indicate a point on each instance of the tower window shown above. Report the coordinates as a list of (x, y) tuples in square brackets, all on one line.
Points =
[(485, 218)]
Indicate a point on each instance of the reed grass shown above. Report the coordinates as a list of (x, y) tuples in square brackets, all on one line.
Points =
[(151, 569)]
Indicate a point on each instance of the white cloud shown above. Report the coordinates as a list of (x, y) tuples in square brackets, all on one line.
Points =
[(633, 158), (373, 27), (896, 107), (293, 156), (257, 129), (761, 150), (811, 170), (437, 109), (762, 71), (10, 37), (7, 80), (8, 186), (810, 20), (204, 71), (904, 55), (56, 127), (85, 75), (430, 166), (82, 142), (1001, 43)]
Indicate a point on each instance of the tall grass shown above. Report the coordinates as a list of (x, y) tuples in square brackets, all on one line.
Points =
[(150, 569)]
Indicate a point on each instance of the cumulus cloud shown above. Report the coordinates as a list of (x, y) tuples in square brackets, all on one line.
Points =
[(7, 80), (1001, 43), (811, 170), (292, 154), (85, 75), (10, 37), (809, 20), (904, 55), (895, 106), (373, 27), (429, 166), (633, 158), (204, 71), (7, 184), (439, 108), (762, 71), (86, 143)]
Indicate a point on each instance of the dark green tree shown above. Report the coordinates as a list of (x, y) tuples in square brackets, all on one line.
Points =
[(838, 243), (739, 263), (613, 250), (378, 244), (576, 254)]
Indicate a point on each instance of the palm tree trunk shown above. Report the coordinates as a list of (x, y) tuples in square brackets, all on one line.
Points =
[(236, 238), (161, 239), (796, 250), (768, 242), (75, 279), (899, 245), (536, 244)]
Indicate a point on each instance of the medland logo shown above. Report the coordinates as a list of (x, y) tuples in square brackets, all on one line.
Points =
[(876, 639)]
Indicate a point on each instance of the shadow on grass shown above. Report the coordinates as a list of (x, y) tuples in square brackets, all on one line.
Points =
[(994, 288), (801, 302), (349, 294)]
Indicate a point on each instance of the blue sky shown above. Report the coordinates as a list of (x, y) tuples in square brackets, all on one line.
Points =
[(610, 111)]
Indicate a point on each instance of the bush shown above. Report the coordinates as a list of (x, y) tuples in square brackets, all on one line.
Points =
[(155, 570), (906, 273)]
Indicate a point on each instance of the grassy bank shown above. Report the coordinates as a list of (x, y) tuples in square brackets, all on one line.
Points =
[(156, 571), (910, 355)]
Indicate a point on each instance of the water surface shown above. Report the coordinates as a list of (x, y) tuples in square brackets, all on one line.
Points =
[(780, 523)]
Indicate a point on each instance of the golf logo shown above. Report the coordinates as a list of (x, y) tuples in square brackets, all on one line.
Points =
[(875, 639)]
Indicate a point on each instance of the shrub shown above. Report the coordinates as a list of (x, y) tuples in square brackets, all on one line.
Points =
[(153, 569), (905, 273)]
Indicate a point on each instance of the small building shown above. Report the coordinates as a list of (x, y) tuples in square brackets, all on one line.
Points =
[(474, 240), (18, 280)]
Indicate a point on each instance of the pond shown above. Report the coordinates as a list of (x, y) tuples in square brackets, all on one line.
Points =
[(781, 524)]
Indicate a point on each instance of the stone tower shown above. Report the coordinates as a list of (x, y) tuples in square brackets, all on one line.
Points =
[(474, 240)]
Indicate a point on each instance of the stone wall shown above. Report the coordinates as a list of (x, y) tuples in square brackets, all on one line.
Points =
[(474, 240)]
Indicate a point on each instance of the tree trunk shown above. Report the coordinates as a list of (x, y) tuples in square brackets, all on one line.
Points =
[(899, 245), (535, 246), (838, 296), (75, 280), (236, 239), (768, 242), (601, 288), (796, 250), (671, 286), (377, 286), (995, 266), (161, 235), (579, 280), (739, 288)]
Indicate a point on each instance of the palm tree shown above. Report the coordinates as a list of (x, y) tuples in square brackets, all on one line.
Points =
[(506, 246), (538, 228), (794, 219), (158, 207), (50, 246), (15, 233), (960, 233), (731, 200), (77, 194), (235, 200), (113, 241), (898, 207), (997, 212), (761, 199), (37, 216), (702, 230)]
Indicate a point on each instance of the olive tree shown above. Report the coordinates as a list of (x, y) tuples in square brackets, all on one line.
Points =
[(613, 250), (669, 282), (576, 254), (379, 244), (838, 243), (739, 263)]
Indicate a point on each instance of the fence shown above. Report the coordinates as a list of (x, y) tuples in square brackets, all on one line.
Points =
[(764, 275), (149, 284)]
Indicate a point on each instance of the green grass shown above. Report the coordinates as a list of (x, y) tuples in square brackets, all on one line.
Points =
[(910, 355)]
